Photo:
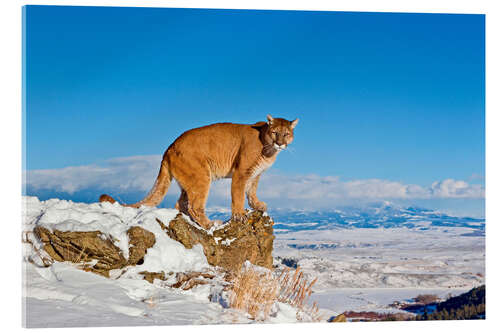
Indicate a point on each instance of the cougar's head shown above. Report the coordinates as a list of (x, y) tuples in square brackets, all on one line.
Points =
[(280, 132)]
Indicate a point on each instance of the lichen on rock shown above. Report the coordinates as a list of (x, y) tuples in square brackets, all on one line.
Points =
[(89, 246), (231, 244), (227, 247)]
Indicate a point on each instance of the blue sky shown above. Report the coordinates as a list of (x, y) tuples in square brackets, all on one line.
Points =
[(395, 97)]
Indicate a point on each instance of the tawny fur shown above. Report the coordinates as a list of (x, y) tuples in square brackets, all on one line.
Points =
[(224, 150)]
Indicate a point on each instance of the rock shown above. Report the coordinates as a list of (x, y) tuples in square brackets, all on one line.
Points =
[(86, 246), (188, 280), (230, 245), (140, 240), (151, 276), (182, 280), (227, 247), (338, 319)]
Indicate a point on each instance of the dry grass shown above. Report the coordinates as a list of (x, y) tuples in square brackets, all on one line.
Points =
[(81, 256), (296, 290), (255, 292)]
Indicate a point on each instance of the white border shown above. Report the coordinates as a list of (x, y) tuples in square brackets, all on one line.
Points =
[(10, 69), (427, 6)]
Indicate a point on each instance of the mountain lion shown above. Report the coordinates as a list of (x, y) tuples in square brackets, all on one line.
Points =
[(224, 150)]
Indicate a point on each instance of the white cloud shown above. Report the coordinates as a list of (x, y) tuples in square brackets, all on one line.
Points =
[(450, 188), (313, 187), (137, 174), (127, 174)]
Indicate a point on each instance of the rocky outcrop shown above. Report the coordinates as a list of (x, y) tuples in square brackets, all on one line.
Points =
[(230, 245), (86, 247), (226, 247)]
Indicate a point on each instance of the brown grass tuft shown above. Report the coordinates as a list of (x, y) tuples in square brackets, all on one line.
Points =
[(296, 290), (254, 291)]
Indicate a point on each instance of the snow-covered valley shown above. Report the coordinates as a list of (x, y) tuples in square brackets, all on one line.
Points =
[(364, 261)]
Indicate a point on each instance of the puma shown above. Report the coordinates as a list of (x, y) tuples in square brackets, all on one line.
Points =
[(223, 150)]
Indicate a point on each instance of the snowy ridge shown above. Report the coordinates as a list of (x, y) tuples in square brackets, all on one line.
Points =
[(125, 298)]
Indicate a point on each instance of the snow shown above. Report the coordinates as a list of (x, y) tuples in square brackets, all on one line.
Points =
[(62, 295), (364, 261), (228, 241), (336, 301), (366, 269), (77, 298), (386, 258)]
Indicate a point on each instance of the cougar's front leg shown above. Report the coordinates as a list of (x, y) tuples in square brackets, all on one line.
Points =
[(253, 201), (238, 197)]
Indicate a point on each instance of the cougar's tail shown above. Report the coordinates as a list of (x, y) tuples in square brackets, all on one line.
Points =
[(155, 196)]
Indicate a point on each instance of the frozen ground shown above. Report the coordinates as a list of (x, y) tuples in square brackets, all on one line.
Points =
[(64, 296), (335, 301), (387, 258), (364, 261)]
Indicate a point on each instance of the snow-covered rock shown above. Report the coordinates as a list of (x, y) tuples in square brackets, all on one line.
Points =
[(145, 277), (230, 244), (114, 235)]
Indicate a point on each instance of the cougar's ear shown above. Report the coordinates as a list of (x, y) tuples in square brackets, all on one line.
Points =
[(294, 123), (269, 119)]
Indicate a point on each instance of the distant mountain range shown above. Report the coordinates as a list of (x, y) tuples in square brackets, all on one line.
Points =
[(384, 215)]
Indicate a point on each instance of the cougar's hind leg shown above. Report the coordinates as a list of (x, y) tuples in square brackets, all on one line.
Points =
[(197, 195), (194, 193), (193, 176), (182, 204)]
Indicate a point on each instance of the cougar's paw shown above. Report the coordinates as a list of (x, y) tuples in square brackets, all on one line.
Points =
[(206, 224), (239, 217), (260, 206)]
